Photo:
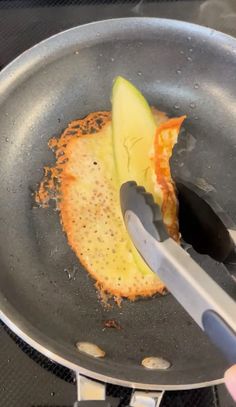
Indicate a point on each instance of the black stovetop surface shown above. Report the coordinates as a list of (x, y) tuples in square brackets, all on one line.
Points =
[(23, 23), (27, 378)]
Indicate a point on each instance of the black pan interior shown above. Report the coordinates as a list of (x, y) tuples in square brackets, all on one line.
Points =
[(182, 69)]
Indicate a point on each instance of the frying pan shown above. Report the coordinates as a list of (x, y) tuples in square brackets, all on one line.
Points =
[(182, 69)]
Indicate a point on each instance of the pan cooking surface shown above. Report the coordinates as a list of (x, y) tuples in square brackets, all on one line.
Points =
[(180, 68)]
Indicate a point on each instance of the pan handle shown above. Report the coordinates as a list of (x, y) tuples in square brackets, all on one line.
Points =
[(90, 393)]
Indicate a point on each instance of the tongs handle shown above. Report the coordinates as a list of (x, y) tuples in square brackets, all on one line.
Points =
[(206, 302)]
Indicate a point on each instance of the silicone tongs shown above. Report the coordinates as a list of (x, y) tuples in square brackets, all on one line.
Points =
[(205, 301)]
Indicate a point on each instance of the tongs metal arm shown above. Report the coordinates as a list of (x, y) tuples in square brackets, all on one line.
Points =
[(208, 304)]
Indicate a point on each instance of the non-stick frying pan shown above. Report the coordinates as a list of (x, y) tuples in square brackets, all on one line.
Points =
[(181, 69)]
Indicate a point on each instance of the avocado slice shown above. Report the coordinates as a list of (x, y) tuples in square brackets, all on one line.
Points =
[(133, 132)]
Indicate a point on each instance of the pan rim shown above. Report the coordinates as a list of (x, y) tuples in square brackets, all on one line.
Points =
[(40, 347), (10, 318)]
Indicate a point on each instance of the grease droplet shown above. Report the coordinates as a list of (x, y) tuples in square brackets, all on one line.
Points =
[(91, 349), (192, 105), (178, 71), (182, 52), (155, 363), (189, 38), (139, 73), (176, 106), (6, 139), (196, 86), (202, 184), (189, 59)]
